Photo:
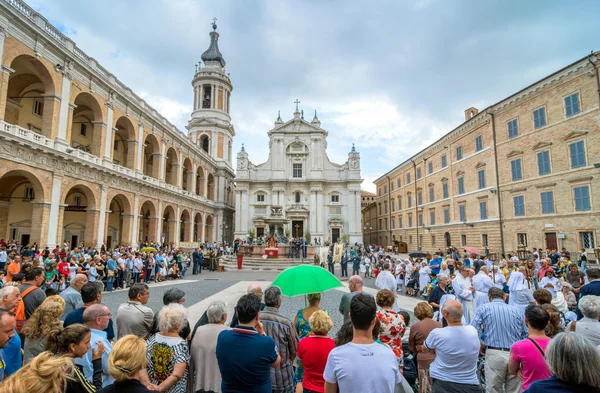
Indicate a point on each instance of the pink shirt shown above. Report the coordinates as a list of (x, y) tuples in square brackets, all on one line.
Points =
[(532, 362)]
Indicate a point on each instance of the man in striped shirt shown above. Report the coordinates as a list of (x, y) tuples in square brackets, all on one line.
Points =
[(280, 329), (502, 326)]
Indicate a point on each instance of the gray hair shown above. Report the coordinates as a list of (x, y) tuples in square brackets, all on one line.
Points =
[(254, 289), (441, 276), (173, 295), (590, 306), (7, 291), (573, 359), (171, 318), (272, 296), (215, 311)]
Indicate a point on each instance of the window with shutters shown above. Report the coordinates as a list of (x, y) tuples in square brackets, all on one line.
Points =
[(539, 117), (463, 240), (479, 143), (418, 172), (481, 178), (519, 205), (445, 190), (582, 198), (577, 151), (430, 167), (431, 194), (572, 105), (516, 170), (483, 210), (513, 129), (444, 163), (446, 216), (547, 202), (543, 159), (459, 153), (462, 213), (484, 239), (432, 217), (461, 185)]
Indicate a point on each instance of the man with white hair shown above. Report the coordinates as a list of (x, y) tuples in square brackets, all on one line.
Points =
[(386, 280), (588, 326), (203, 363), (464, 291), (482, 284), (72, 295)]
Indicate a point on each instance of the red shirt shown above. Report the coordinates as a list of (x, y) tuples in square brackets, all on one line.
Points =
[(313, 351), (63, 269)]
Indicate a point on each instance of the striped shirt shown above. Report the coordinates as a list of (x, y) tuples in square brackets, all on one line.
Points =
[(502, 324), (281, 329)]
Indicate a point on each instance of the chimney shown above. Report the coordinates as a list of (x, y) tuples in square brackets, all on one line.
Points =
[(470, 113)]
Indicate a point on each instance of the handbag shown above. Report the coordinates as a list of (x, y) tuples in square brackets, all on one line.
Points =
[(111, 273)]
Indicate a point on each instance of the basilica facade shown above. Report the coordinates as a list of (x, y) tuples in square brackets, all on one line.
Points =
[(298, 192), (83, 159)]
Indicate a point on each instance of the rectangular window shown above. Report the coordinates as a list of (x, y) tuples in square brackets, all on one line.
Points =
[(418, 172), (587, 240), (519, 205), (407, 178), (385, 207), (260, 197), (446, 216), (463, 240), (539, 117), (481, 178), (484, 239), (459, 153), (430, 167), (572, 105), (483, 210), (398, 183), (380, 224), (432, 217), (433, 240), (410, 221), (379, 191), (385, 189), (462, 213), (393, 205), (431, 194), (38, 108), (420, 219), (77, 200), (543, 159), (444, 163), (400, 222), (399, 203), (420, 198), (478, 143), (83, 129), (513, 129), (391, 186), (461, 185), (582, 198), (516, 170), (380, 211), (577, 150), (386, 223), (410, 239), (393, 223), (335, 198), (522, 239), (445, 190), (547, 202), (409, 200), (297, 171)]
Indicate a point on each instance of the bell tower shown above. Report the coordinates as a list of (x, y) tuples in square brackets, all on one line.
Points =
[(210, 125)]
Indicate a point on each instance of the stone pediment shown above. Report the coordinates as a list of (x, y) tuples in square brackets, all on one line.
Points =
[(297, 125), (297, 208), (575, 135), (480, 164), (542, 145), (514, 153)]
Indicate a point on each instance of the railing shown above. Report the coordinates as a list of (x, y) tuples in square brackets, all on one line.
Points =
[(23, 9), (57, 35), (28, 135)]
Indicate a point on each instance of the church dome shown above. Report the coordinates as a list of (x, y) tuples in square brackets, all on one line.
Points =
[(212, 53)]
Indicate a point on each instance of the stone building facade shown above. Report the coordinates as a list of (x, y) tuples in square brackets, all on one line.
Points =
[(84, 159), (519, 172), (368, 213), (298, 191)]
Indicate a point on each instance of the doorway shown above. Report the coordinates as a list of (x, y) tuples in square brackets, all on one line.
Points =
[(551, 242), (24, 239), (335, 234), (260, 231), (74, 241), (297, 229), (448, 239)]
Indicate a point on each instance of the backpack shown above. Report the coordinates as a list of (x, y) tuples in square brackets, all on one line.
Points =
[(20, 309)]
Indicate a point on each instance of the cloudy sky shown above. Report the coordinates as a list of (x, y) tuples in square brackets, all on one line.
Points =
[(390, 76)]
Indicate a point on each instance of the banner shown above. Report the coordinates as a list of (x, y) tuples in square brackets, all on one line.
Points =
[(191, 245)]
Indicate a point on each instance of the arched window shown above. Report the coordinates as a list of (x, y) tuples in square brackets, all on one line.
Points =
[(297, 196), (205, 144)]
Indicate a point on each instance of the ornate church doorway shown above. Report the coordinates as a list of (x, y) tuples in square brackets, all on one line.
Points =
[(297, 228)]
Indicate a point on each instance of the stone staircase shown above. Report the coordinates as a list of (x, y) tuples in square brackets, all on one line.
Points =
[(229, 263)]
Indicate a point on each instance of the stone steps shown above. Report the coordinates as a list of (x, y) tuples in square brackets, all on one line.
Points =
[(229, 263)]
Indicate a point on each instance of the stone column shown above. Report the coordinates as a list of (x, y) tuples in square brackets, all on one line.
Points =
[(102, 219), (163, 160), (322, 216), (313, 217), (126, 229), (194, 175), (40, 212), (136, 220), (177, 238), (159, 218), (4, 208), (63, 115), (153, 229), (99, 138), (221, 196), (245, 213), (92, 217), (4, 76), (219, 227), (238, 213), (50, 118), (139, 168), (132, 147), (205, 183), (108, 141), (180, 171), (53, 229)]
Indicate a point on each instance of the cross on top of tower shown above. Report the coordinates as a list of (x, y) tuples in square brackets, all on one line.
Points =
[(214, 24), (297, 102)]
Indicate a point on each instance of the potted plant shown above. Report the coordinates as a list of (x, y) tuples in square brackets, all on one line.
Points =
[(287, 232), (345, 238), (251, 236)]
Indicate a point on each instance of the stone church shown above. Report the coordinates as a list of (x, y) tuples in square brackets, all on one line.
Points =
[(298, 191)]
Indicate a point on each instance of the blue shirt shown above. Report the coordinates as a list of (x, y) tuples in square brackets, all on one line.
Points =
[(12, 355), (86, 360), (76, 316), (250, 373), (502, 324), (555, 385), (435, 270), (111, 264), (2, 365)]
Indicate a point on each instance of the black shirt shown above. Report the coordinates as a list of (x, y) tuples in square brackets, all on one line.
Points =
[(435, 297), (126, 386)]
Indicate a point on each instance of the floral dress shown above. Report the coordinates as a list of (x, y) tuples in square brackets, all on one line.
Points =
[(392, 330)]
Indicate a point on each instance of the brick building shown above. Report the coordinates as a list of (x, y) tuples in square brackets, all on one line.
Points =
[(519, 172), (368, 210), (84, 159)]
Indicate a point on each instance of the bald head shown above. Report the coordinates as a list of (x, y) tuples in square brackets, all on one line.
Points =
[(452, 311), (94, 315), (485, 269), (255, 289), (79, 281), (522, 269), (355, 283)]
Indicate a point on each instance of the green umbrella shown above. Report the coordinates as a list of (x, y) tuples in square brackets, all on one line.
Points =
[(305, 279)]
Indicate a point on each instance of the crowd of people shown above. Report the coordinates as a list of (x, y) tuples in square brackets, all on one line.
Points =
[(474, 332)]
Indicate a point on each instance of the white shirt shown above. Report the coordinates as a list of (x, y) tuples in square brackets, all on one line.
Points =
[(455, 360), (3, 256), (346, 366)]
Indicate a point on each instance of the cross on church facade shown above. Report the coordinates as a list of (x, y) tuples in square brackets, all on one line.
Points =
[(297, 227), (297, 102)]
